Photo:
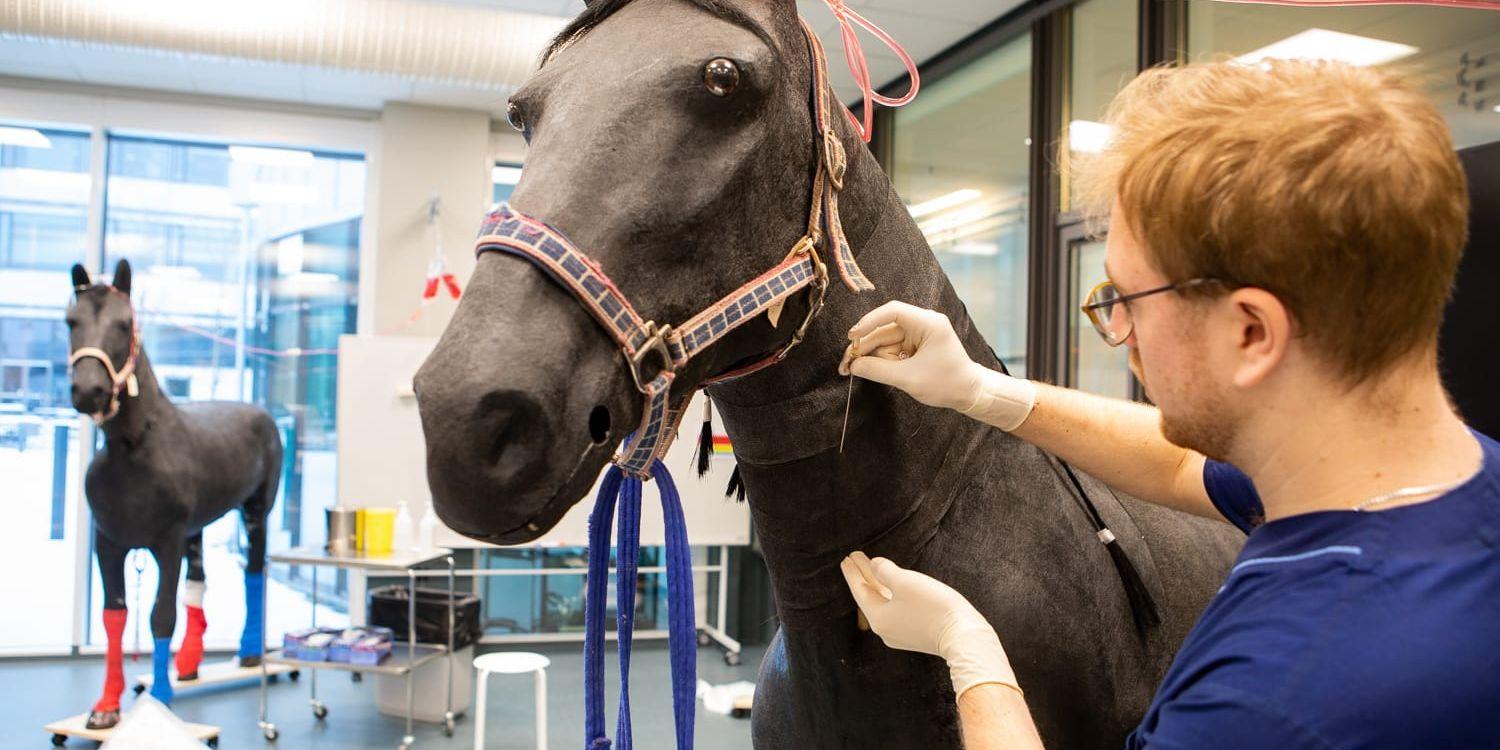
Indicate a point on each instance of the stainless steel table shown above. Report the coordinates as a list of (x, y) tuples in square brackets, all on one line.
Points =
[(396, 664)]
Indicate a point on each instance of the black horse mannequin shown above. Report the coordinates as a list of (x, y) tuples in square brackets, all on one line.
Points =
[(165, 472), (682, 195)]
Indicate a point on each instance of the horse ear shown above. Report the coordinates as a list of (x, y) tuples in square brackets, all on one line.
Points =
[(122, 277), (80, 278)]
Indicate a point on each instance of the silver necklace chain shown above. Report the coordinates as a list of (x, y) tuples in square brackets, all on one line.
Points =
[(1404, 492)]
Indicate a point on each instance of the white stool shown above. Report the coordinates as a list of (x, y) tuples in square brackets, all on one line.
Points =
[(515, 662)]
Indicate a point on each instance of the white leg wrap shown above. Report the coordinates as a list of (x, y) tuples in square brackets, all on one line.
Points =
[(192, 593)]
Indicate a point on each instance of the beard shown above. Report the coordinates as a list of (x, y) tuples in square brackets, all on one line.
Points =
[(1196, 414)]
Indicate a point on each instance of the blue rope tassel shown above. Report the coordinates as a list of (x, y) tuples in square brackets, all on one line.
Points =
[(682, 637)]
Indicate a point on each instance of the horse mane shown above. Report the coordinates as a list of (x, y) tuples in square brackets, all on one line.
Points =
[(598, 11)]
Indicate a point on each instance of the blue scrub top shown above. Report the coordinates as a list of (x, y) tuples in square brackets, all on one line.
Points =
[(1338, 629)]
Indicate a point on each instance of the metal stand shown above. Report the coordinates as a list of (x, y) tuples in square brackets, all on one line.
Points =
[(707, 633), (416, 655)]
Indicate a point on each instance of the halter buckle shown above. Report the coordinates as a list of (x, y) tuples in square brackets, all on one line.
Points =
[(655, 342), (834, 159)]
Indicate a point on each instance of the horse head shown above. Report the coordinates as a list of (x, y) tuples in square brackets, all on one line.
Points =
[(671, 141), (104, 341)]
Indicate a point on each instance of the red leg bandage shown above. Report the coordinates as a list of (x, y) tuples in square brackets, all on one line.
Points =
[(190, 655), (114, 661)]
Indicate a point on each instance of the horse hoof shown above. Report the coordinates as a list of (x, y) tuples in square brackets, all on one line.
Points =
[(249, 661), (103, 719), (189, 677)]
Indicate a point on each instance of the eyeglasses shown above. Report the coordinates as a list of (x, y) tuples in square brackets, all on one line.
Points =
[(1112, 319)]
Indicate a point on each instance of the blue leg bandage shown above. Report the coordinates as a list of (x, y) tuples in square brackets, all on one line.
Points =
[(252, 640), (161, 682)]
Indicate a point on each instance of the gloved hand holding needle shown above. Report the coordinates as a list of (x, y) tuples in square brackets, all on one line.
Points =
[(917, 351)]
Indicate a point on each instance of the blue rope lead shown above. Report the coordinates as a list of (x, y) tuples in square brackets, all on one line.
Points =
[(681, 637)]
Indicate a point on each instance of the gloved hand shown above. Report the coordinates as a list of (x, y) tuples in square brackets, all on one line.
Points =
[(917, 351), (915, 612)]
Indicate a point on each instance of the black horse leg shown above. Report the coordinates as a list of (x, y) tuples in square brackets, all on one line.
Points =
[(111, 557), (168, 554), (190, 655), (255, 512)]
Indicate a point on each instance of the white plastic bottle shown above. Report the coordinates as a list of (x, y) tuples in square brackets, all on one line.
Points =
[(427, 530), (404, 536)]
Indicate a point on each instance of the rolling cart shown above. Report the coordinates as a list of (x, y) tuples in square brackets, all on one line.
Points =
[(401, 662)]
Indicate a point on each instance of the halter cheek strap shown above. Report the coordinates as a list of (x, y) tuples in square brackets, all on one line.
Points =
[(513, 233)]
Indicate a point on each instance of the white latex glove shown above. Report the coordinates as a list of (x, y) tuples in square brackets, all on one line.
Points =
[(915, 612), (917, 351)]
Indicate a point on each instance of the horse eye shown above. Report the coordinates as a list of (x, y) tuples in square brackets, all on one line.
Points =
[(721, 76), (514, 117)]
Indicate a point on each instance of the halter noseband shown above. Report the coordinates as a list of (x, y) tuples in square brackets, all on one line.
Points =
[(506, 230), (122, 379)]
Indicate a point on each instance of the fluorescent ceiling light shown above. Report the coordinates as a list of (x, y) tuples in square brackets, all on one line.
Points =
[(271, 157), (28, 137), (1322, 44), (948, 200), (1087, 136), (506, 175)]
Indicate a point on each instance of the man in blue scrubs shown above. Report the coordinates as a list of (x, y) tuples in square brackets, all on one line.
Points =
[(1282, 241)]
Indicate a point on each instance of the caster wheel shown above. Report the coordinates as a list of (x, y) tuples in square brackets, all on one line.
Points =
[(703, 639), (58, 740), (138, 689), (406, 743), (732, 658), (356, 677), (294, 674), (213, 742), (320, 712), (448, 725), (273, 679), (271, 734)]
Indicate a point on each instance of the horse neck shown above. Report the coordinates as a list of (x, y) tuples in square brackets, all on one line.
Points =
[(130, 427), (812, 502)]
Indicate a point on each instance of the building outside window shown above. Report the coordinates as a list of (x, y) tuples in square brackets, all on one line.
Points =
[(44, 198), (245, 263)]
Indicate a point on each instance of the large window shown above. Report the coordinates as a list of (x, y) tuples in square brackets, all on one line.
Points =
[(1450, 52), (44, 198), (1102, 36), (962, 155), (245, 267)]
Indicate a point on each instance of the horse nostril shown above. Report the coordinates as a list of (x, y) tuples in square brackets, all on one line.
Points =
[(599, 424)]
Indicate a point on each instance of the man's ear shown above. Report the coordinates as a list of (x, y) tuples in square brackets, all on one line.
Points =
[(1264, 329), (122, 277), (80, 278)]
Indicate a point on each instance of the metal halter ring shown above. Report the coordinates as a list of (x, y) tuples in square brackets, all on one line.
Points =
[(656, 342), (815, 305)]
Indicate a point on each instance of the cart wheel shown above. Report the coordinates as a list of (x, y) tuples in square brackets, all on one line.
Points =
[(213, 742), (59, 740), (703, 639), (320, 711), (732, 658), (273, 679), (271, 733), (294, 674), (739, 713), (448, 724), (356, 676), (138, 689)]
